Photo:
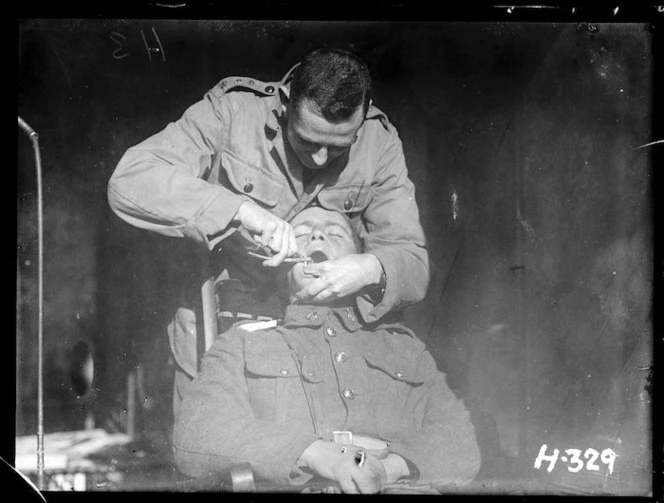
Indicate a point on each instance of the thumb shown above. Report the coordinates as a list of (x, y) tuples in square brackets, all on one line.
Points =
[(312, 269), (378, 453)]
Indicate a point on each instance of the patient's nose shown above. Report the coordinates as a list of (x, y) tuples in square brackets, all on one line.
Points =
[(317, 234)]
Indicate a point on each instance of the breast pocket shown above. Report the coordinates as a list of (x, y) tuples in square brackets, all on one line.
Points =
[(262, 186), (352, 198), (276, 387), (392, 377)]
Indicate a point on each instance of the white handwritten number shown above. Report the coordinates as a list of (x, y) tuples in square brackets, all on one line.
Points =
[(118, 38), (591, 455), (542, 456), (150, 50), (608, 457), (575, 453)]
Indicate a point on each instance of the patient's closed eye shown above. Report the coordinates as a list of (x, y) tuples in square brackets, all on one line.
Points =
[(301, 230)]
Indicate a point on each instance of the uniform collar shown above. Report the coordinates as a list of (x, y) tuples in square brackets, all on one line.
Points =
[(275, 115), (303, 315)]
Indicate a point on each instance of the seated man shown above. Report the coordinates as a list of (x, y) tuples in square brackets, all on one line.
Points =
[(278, 396)]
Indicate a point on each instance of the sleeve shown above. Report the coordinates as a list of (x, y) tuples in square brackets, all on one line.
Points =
[(158, 184), (216, 426), (394, 235), (444, 449)]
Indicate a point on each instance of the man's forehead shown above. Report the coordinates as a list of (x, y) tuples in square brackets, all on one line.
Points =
[(312, 126), (320, 215)]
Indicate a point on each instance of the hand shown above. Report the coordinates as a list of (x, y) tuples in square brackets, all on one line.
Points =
[(268, 230), (395, 467), (327, 460), (340, 277)]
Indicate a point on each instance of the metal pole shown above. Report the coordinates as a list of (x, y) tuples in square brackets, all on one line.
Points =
[(34, 138)]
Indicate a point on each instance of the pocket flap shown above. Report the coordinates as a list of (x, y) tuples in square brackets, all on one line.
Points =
[(346, 198), (398, 364), (252, 181), (270, 364)]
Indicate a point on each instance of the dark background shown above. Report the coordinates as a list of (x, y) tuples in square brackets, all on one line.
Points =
[(521, 139)]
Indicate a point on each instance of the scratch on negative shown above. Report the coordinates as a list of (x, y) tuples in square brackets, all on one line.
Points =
[(455, 205), (524, 222)]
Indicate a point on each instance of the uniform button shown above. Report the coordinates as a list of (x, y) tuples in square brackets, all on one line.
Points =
[(340, 357), (284, 372), (348, 204), (350, 314), (251, 82), (331, 331), (399, 373), (349, 394), (312, 315), (269, 89), (248, 187), (238, 81)]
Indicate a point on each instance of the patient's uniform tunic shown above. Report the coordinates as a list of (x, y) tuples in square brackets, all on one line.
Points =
[(264, 396)]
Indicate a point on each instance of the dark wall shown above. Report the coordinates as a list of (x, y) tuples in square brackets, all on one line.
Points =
[(521, 139)]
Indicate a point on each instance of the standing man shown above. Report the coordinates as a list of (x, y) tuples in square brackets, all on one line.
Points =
[(249, 156)]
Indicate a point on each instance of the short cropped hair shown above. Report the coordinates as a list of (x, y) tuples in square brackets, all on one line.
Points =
[(338, 82)]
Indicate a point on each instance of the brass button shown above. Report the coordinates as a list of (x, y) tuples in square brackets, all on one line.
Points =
[(348, 204), (251, 82), (349, 394), (238, 81), (331, 331), (312, 315), (340, 357), (248, 187), (269, 89), (349, 313), (284, 372), (399, 373)]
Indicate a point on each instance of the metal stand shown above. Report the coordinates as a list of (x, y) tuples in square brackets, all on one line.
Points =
[(34, 138)]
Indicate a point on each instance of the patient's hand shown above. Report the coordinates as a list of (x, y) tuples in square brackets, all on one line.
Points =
[(328, 460), (395, 466)]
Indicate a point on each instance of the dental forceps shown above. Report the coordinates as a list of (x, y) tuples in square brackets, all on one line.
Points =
[(297, 258)]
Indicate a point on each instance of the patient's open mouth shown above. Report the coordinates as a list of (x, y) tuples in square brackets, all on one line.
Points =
[(318, 256)]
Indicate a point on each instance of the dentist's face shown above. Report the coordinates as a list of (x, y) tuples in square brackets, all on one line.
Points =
[(317, 142)]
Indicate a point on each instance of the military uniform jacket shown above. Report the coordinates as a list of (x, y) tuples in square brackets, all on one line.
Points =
[(262, 397), (190, 179)]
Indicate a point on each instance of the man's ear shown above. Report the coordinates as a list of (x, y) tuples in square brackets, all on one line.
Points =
[(284, 95)]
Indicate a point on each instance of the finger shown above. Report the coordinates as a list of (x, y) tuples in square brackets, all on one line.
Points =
[(292, 242), (363, 482), (266, 236), (378, 453), (312, 269), (348, 486), (310, 291), (280, 245)]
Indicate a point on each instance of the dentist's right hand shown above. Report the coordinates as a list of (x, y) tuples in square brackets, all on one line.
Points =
[(268, 230)]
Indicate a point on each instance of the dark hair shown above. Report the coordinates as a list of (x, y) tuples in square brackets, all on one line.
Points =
[(336, 81)]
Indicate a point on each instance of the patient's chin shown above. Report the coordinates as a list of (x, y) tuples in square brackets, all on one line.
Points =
[(297, 280)]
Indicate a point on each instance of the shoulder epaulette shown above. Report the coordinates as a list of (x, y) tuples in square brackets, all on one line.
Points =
[(246, 83), (376, 113)]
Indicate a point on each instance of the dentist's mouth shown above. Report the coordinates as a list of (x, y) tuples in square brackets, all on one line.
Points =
[(318, 256)]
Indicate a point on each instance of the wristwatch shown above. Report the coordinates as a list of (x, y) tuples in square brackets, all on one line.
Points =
[(376, 292)]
